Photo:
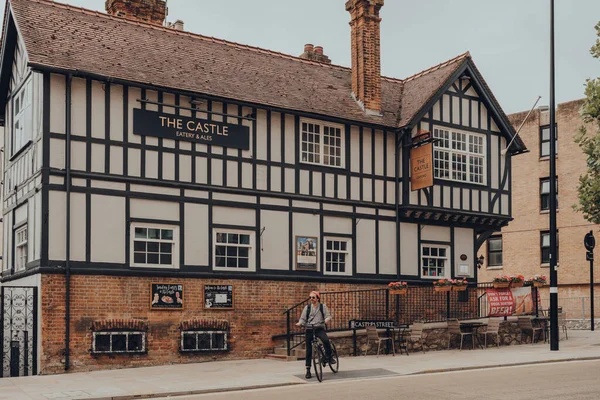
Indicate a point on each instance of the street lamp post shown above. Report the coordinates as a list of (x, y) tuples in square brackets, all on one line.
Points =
[(553, 250)]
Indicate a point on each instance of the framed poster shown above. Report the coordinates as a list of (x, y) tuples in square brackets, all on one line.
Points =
[(166, 296), (306, 253), (218, 297)]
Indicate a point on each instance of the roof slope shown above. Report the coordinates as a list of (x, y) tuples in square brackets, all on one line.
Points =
[(76, 39)]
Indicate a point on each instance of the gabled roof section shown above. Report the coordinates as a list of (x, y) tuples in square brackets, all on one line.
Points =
[(8, 43), (422, 90)]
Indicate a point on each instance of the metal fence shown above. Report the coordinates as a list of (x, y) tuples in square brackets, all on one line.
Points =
[(575, 307)]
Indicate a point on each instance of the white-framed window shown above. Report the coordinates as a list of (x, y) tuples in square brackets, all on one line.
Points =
[(435, 261), (111, 342), (459, 156), (22, 116), (321, 143), (337, 258), (21, 248), (154, 245), (233, 250), (203, 340)]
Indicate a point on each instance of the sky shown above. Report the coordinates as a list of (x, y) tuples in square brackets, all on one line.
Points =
[(509, 40)]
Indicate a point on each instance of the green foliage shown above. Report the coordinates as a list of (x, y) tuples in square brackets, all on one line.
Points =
[(589, 142)]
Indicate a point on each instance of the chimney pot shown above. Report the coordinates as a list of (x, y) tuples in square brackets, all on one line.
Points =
[(152, 11), (308, 48), (319, 50)]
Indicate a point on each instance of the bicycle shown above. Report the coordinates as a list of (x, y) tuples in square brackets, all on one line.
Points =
[(319, 360)]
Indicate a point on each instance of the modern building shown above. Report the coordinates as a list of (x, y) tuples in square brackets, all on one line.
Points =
[(168, 195), (523, 246)]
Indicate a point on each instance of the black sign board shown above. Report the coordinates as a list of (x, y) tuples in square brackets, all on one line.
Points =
[(178, 127), (218, 296), (166, 296), (362, 323)]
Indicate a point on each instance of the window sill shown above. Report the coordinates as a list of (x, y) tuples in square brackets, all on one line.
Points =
[(21, 151), (547, 265), (234, 270), (153, 266), (547, 211), (547, 158), (494, 267)]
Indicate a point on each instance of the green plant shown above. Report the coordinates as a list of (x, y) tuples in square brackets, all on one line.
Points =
[(538, 278), (442, 282), (517, 278), (460, 282), (397, 285), (502, 278)]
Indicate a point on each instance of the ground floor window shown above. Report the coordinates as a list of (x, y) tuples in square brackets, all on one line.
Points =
[(434, 261), (21, 248), (338, 260), (204, 340), (233, 250), (154, 245), (495, 251), (119, 342)]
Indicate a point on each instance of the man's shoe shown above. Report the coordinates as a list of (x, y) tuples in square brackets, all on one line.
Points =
[(308, 375), (332, 361)]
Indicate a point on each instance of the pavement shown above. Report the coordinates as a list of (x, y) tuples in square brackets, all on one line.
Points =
[(220, 376)]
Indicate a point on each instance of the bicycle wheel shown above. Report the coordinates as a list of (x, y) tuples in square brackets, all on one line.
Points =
[(317, 359), (334, 356)]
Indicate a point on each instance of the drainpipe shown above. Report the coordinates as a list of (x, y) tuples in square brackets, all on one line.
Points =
[(68, 222)]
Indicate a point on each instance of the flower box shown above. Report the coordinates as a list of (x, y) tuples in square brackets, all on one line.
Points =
[(442, 288), (538, 284), (500, 285), (399, 291), (459, 288), (516, 284)]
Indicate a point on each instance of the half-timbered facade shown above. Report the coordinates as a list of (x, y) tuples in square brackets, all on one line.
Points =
[(137, 155)]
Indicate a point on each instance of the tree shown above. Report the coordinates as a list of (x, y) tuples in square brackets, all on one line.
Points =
[(589, 142)]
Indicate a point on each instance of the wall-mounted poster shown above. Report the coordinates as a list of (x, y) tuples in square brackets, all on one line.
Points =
[(218, 296), (166, 296), (306, 253)]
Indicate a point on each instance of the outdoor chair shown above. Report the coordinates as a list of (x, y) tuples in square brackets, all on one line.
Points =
[(416, 335), (454, 329), (492, 329), (372, 334), (527, 328), (562, 324)]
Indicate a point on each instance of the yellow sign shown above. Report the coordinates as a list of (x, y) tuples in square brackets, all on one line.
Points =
[(421, 167)]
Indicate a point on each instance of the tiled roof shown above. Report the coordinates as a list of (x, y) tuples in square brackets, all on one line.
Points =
[(72, 38)]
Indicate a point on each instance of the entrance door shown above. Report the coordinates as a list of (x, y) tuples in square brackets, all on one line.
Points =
[(18, 331)]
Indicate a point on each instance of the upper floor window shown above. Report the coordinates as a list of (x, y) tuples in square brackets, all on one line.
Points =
[(338, 260), (545, 193), (434, 260), (154, 245), (545, 247), (545, 140), (234, 250), (22, 116), (21, 248), (459, 156), (494, 251), (321, 144)]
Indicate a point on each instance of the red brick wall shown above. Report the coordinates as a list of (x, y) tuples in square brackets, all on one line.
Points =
[(257, 315)]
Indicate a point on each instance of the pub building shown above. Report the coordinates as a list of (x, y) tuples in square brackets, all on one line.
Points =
[(168, 195)]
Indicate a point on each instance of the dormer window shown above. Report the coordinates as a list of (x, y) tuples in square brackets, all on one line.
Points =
[(321, 143), (459, 156)]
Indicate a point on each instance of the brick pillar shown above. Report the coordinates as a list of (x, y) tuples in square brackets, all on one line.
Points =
[(152, 11), (366, 57)]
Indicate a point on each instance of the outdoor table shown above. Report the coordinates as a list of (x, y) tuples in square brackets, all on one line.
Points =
[(401, 331), (474, 327)]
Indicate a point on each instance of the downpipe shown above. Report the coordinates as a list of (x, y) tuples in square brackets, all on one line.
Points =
[(68, 223)]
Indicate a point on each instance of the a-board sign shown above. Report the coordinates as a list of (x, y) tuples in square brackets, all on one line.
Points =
[(166, 296), (218, 296)]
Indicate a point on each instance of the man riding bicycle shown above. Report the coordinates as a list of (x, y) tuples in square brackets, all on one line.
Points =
[(316, 315)]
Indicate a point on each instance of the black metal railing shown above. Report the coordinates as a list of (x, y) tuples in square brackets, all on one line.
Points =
[(421, 303)]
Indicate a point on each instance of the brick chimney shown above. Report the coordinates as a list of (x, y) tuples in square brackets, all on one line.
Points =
[(152, 11), (366, 64), (314, 53)]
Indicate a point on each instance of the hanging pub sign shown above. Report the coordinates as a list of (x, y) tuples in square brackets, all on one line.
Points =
[(166, 296), (421, 166), (178, 127), (218, 296)]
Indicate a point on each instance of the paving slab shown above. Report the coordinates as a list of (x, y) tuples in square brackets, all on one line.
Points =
[(218, 376)]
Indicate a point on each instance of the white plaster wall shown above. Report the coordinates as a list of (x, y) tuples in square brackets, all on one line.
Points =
[(437, 233), (57, 103), (333, 225), (234, 216), (387, 247), (56, 225), (108, 229), (409, 249), (307, 225), (365, 246), (196, 234), (463, 244), (275, 240), (154, 209)]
